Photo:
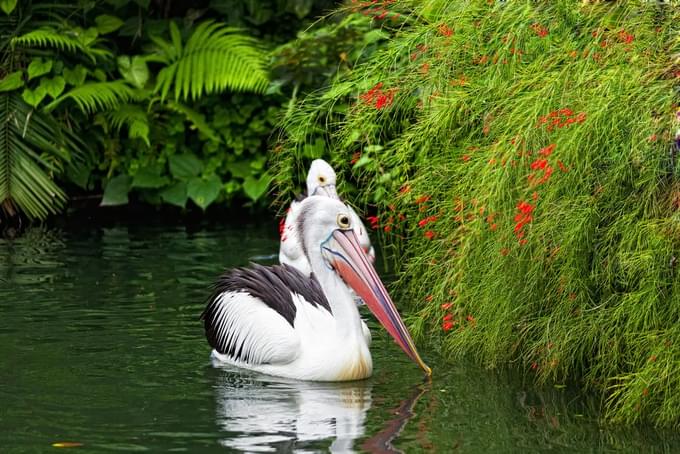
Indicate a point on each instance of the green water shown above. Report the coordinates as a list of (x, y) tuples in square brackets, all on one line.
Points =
[(100, 344)]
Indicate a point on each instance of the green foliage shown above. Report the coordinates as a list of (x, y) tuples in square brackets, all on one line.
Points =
[(517, 155), (214, 58), (29, 142)]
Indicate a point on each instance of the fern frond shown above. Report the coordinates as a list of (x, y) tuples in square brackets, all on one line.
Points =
[(24, 181), (197, 119), (215, 58), (97, 96), (48, 37), (132, 116)]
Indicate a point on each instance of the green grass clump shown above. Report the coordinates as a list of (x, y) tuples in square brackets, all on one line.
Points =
[(519, 158)]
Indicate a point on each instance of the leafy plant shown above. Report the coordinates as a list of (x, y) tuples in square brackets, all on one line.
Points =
[(517, 159)]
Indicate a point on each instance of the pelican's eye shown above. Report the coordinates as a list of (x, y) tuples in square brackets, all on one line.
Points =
[(322, 179), (343, 221)]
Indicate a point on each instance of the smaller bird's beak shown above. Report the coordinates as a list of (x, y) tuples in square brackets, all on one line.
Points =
[(352, 264)]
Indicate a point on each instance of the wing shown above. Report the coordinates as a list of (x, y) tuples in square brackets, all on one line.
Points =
[(250, 316), (244, 328)]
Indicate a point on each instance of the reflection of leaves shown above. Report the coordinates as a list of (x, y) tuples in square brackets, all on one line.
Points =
[(204, 191)]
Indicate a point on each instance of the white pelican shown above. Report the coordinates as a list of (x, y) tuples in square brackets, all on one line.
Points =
[(278, 321), (320, 181)]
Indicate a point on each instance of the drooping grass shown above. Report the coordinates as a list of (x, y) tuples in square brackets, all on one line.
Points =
[(520, 159)]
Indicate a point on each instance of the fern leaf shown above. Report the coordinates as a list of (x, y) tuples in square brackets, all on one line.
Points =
[(197, 120), (97, 96), (215, 58), (47, 37), (134, 117)]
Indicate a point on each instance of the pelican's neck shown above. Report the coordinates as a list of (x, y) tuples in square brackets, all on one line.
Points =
[(339, 297)]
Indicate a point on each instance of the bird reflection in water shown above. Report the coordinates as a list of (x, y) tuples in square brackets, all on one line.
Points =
[(260, 413)]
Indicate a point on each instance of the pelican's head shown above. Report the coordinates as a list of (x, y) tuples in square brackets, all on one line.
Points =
[(321, 179), (326, 228)]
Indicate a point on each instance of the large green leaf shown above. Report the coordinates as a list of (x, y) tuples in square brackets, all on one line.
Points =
[(204, 191), (75, 76), (107, 24), (38, 67), (116, 191), (33, 97), (134, 70), (7, 6), (53, 86), (12, 81), (256, 187), (149, 177), (184, 166), (176, 194)]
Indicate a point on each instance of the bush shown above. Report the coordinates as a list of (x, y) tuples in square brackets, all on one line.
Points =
[(519, 159)]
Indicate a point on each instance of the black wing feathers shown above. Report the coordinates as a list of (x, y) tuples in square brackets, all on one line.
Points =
[(273, 285)]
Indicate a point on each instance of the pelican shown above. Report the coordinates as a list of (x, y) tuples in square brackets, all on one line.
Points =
[(278, 321), (320, 181)]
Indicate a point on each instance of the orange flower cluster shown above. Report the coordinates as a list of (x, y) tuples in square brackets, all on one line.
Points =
[(522, 218), (378, 97), (560, 118), (378, 9), (540, 30), (445, 30), (374, 221), (423, 222)]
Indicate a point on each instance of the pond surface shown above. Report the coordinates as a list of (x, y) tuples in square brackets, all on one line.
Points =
[(101, 347)]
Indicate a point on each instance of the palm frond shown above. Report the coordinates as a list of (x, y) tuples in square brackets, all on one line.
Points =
[(24, 181), (215, 58), (97, 96)]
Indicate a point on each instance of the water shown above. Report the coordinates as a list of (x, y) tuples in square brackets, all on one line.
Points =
[(101, 346)]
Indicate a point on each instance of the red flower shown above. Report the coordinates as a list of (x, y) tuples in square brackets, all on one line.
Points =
[(425, 68), (562, 167), (446, 306), (429, 234), (422, 199), (547, 151), (447, 317), (445, 30), (465, 157), (470, 319), (447, 326), (626, 37), (355, 157), (429, 298), (373, 220), (539, 164), (405, 189), (423, 222), (387, 228)]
